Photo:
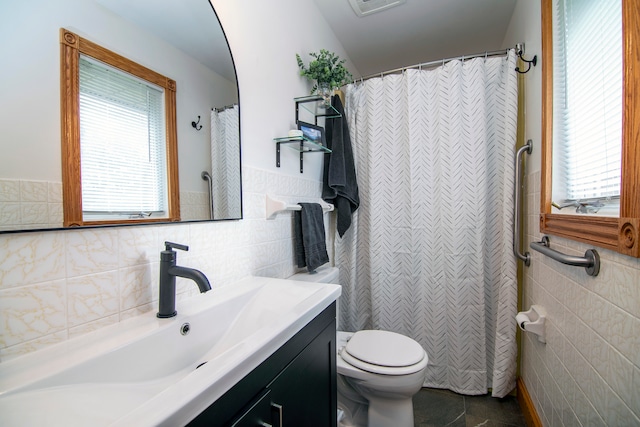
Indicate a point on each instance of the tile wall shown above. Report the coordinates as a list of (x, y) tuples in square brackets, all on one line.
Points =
[(194, 205), (56, 285), (588, 372), (30, 204)]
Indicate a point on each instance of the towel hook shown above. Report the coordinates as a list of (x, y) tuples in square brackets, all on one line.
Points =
[(195, 124), (520, 52)]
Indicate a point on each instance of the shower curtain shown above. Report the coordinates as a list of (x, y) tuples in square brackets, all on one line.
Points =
[(429, 253), (225, 161)]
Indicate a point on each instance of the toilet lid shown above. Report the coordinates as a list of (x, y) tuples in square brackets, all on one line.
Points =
[(383, 349)]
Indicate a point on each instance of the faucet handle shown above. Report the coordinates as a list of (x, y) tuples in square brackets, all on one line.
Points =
[(170, 246)]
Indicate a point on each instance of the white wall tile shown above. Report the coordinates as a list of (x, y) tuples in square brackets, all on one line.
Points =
[(59, 284), (9, 190), (31, 258), (10, 214), (594, 330), (30, 312), (34, 191), (92, 297), (91, 251), (137, 245)]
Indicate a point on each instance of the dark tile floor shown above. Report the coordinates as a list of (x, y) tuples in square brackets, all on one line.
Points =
[(439, 408)]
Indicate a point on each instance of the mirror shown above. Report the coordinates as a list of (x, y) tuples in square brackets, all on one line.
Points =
[(616, 232), (180, 39)]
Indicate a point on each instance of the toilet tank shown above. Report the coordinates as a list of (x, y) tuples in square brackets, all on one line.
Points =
[(324, 274)]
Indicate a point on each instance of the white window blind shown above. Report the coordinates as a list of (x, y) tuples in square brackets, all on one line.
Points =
[(122, 136), (587, 87)]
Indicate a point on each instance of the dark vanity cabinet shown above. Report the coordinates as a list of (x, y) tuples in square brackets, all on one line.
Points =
[(294, 387)]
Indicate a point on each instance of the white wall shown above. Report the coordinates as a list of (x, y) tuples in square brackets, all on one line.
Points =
[(588, 373), (264, 38), (59, 284)]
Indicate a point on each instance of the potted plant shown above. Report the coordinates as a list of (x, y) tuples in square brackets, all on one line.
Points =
[(328, 72)]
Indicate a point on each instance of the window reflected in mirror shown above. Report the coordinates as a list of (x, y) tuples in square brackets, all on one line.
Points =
[(119, 138), (122, 144)]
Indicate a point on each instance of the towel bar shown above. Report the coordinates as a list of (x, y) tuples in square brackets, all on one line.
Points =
[(590, 261), (274, 206)]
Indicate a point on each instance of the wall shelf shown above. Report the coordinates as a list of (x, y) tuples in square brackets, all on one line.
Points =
[(299, 144), (315, 105)]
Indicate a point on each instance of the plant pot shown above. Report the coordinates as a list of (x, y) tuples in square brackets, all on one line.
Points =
[(325, 91)]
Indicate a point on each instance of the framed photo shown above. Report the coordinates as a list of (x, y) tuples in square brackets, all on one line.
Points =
[(313, 133)]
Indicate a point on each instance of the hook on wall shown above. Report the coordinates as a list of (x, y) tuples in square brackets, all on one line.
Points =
[(195, 124), (520, 52)]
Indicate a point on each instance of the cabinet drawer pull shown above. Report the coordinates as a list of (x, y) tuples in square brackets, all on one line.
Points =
[(279, 409)]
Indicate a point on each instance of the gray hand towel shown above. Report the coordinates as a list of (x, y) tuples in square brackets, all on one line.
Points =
[(311, 249), (340, 186)]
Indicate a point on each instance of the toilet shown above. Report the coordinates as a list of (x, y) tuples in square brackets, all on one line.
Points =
[(378, 371)]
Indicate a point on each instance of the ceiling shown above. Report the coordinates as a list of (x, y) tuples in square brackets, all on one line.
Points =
[(414, 32), (189, 25), (417, 31)]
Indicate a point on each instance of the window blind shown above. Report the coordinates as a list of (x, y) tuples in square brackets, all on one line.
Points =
[(122, 142), (587, 86)]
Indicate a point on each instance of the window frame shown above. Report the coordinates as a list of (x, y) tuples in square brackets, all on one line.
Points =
[(619, 234), (71, 46)]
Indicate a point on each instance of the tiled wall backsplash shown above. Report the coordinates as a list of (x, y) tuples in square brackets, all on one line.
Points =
[(55, 285), (30, 204), (588, 373)]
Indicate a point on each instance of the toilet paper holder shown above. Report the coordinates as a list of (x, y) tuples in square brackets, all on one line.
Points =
[(533, 321)]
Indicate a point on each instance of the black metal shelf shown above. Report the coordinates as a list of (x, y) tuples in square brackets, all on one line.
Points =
[(316, 106)]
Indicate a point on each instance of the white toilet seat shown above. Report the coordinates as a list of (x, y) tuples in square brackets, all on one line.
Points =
[(384, 352)]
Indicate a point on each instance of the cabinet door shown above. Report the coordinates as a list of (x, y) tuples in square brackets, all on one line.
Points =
[(304, 393)]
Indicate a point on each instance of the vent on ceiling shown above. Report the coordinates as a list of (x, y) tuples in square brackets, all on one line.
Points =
[(367, 7)]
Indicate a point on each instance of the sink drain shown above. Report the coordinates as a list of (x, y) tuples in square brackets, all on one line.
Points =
[(203, 363)]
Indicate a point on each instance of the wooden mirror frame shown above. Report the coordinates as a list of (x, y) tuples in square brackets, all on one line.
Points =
[(71, 46), (618, 234)]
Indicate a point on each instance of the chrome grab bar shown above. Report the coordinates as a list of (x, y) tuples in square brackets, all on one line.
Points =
[(590, 261), (525, 257), (207, 177)]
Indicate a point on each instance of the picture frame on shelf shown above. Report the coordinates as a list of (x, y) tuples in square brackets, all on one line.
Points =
[(313, 133)]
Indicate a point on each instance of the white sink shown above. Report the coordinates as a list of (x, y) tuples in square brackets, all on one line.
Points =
[(144, 371)]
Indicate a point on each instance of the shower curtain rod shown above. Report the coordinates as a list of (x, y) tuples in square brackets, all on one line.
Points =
[(433, 64), (221, 109)]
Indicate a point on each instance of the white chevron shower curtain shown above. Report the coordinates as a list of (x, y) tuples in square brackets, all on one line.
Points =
[(225, 161), (429, 253)]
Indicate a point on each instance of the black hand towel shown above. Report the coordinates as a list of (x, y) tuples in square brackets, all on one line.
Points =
[(340, 185), (311, 249)]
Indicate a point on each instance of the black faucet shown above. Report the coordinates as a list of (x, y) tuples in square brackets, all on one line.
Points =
[(168, 272)]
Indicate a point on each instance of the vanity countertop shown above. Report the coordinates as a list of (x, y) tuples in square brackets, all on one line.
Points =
[(145, 371)]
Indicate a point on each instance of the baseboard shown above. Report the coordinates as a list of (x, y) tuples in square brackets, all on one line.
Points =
[(526, 404)]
